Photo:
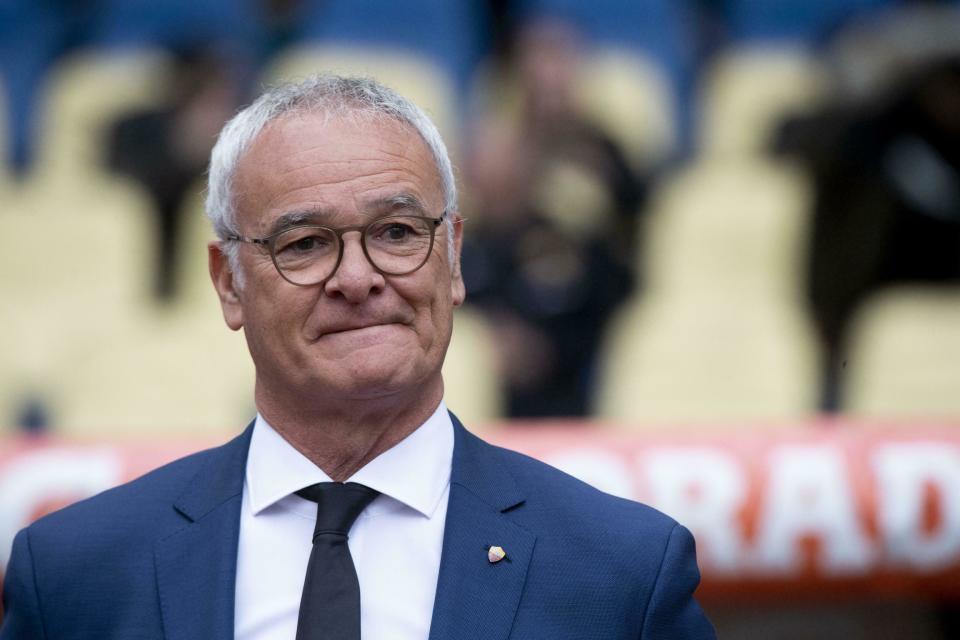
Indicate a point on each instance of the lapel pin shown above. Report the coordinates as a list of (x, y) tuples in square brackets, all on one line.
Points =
[(496, 554)]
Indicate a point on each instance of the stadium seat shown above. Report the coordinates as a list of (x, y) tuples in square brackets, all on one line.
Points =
[(442, 32), (176, 24), (747, 92), (903, 359), (32, 35), (70, 270), (195, 290), (620, 89), (718, 334), (413, 75), (5, 139), (159, 375), (799, 21), (739, 224), (661, 31), (472, 386), (88, 91), (630, 96)]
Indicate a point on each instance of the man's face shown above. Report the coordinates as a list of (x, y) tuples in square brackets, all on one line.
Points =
[(360, 334)]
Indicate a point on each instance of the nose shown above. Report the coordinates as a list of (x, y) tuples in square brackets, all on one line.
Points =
[(355, 278)]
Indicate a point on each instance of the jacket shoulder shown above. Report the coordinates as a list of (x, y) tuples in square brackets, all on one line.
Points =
[(558, 494), (145, 503)]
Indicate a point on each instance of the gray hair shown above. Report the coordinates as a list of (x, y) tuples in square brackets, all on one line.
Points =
[(330, 95)]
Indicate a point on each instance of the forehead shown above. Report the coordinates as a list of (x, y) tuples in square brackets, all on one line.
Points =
[(335, 165)]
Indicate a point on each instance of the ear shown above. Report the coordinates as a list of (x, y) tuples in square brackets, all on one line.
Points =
[(457, 289), (225, 284)]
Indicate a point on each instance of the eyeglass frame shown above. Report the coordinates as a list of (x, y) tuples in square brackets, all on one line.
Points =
[(269, 243)]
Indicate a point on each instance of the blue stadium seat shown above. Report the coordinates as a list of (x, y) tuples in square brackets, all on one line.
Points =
[(662, 30), (807, 21), (32, 34), (176, 23), (444, 31)]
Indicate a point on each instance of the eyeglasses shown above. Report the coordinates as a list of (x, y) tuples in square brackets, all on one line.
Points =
[(308, 255)]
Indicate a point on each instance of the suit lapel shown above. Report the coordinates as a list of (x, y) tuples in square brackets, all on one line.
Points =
[(477, 599), (197, 564)]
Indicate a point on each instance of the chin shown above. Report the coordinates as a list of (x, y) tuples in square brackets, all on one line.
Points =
[(375, 379)]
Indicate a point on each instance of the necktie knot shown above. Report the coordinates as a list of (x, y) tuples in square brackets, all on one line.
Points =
[(338, 505)]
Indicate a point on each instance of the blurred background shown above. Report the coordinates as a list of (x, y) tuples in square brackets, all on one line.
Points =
[(683, 217)]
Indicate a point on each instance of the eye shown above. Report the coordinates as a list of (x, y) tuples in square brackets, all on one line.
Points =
[(304, 244), (300, 242), (396, 231)]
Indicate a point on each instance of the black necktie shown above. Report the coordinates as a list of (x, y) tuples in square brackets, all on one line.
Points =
[(330, 604)]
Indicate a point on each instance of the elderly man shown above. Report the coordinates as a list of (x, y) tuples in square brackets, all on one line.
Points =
[(335, 205)]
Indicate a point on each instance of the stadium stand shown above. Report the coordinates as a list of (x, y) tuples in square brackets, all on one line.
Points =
[(154, 369), (72, 269), (5, 173), (196, 294), (627, 94), (87, 91), (719, 332), (177, 24), (442, 32), (903, 360), (470, 375), (659, 31), (660, 28), (806, 21), (747, 91), (32, 34)]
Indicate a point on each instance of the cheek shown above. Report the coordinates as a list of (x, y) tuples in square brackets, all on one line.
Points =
[(278, 314)]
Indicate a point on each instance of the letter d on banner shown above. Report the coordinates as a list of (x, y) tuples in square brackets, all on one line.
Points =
[(904, 473)]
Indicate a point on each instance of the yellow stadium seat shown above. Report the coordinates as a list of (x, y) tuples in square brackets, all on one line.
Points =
[(719, 333), (71, 271), (739, 224), (195, 290), (413, 76), (5, 173), (87, 92), (472, 387), (161, 376), (629, 97), (903, 359), (747, 92)]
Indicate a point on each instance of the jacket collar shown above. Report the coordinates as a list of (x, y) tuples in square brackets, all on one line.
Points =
[(477, 599), (197, 564)]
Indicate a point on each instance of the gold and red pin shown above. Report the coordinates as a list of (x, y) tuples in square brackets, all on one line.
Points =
[(496, 554)]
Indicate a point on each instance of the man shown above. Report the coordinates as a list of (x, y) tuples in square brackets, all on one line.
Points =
[(335, 205)]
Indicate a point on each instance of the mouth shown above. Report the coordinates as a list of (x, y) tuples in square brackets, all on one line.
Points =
[(355, 329)]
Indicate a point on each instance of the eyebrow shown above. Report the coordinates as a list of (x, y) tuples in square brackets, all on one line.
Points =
[(399, 201), (296, 218), (379, 208)]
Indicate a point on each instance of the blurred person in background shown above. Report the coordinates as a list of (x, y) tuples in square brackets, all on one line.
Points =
[(338, 255), (165, 149), (886, 174), (555, 228)]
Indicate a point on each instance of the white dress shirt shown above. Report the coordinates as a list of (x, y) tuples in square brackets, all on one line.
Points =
[(395, 542)]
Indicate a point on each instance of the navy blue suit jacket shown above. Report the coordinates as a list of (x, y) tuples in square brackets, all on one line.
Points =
[(156, 558)]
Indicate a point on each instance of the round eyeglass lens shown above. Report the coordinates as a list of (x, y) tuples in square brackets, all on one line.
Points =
[(306, 255), (399, 244)]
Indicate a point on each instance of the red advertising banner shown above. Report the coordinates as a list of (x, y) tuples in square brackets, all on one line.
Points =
[(831, 509)]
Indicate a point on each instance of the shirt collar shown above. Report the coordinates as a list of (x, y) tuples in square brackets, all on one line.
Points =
[(415, 471)]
